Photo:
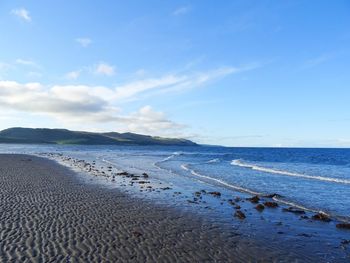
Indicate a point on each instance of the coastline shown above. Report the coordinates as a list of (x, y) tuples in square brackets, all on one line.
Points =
[(49, 215), (53, 214)]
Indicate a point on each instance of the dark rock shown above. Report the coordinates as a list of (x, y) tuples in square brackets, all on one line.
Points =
[(345, 241), (260, 207), (145, 175), (237, 207), (254, 199), (137, 234), (123, 173), (216, 194), (237, 199), (271, 204), (343, 226), (165, 188), (239, 214), (321, 217), (272, 195), (231, 202), (197, 193), (304, 217), (143, 182), (293, 210)]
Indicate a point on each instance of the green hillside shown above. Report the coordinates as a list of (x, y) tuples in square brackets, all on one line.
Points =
[(63, 136)]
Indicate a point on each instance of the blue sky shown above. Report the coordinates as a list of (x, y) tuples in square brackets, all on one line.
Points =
[(236, 73)]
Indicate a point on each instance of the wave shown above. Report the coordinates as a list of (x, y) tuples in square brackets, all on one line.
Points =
[(286, 173), (221, 182), (214, 160)]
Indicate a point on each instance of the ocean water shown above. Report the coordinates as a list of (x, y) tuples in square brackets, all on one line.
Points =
[(313, 179)]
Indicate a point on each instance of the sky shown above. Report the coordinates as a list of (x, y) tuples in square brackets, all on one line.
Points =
[(233, 73)]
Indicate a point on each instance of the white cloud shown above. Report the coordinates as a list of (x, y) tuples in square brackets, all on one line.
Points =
[(80, 104), (99, 105), (26, 62), (73, 74), (181, 10), (148, 121), (84, 41), (22, 13), (104, 69)]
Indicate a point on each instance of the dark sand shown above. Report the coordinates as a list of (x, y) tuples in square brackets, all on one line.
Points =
[(47, 215)]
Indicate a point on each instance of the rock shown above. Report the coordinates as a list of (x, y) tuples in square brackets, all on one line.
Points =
[(143, 182), (231, 202), (145, 175), (137, 234), (345, 241), (216, 194), (240, 215), (321, 217), (197, 194), (343, 226), (293, 210), (237, 207), (271, 204), (237, 199), (165, 188), (260, 207), (123, 173), (304, 217), (255, 199), (272, 195)]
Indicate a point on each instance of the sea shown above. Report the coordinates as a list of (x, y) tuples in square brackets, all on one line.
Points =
[(313, 179)]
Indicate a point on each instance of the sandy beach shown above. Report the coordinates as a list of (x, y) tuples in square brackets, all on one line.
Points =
[(49, 216)]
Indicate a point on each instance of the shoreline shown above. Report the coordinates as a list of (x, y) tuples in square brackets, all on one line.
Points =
[(49, 215), (163, 227)]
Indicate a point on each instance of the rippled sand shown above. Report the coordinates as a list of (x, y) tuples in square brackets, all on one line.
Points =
[(47, 215)]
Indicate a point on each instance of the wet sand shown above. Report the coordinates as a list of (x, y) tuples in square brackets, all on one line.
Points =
[(47, 215)]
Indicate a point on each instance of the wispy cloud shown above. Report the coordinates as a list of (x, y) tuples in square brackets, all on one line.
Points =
[(182, 10), (310, 63), (73, 74), (175, 82), (22, 13), (84, 41), (26, 62), (104, 69)]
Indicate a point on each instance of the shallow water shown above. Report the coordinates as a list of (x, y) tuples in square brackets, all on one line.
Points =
[(312, 179), (316, 179)]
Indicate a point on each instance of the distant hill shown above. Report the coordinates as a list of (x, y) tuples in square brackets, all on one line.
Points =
[(63, 136)]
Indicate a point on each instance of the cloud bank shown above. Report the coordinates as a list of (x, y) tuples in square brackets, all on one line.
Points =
[(100, 105)]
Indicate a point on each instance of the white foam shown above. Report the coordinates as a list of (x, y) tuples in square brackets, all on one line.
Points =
[(286, 173), (214, 161), (221, 182)]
